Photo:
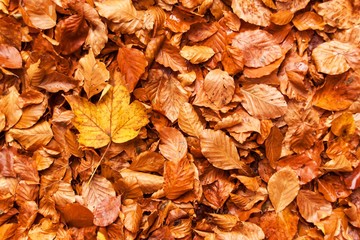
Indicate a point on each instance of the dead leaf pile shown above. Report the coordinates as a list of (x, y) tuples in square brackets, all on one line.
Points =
[(180, 119)]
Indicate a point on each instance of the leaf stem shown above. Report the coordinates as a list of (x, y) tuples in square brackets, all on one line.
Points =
[(98, 164)]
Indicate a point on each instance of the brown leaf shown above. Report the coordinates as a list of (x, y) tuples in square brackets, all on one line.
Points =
[(148, 162), (149, 183), (245, 230), (219, 87), (10, 57), (233, 60), (107, 211), (31, 115), (76, 215), (40, 14), (197, 54), (189, 121), (281, 225), (337, 93), (178, 178), (308, 20), (93, 73), (334, 57), (283, 187), (338, 13), (273, 145), (132, 64), (133, 214), (282, 17), (173, 144), (71, 33), (34, 137), (220, 150), (166, 93), (258, 46), (253, 12), (263, 101), (312, 206), (169, 56), (97, 191), (9, 107)]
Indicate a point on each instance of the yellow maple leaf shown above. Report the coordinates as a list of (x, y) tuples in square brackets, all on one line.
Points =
[(113, 118)]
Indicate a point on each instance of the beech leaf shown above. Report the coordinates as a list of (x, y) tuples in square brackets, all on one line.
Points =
[(111, 119), (283, 187)]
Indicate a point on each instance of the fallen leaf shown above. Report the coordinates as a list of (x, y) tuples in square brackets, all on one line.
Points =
[(132, 64), (283, 187), (173, 144), (263, 101), (93, 73), (40, 14), (10, 57), (189, 121), (111, 119), (312, 206), (34, 137), (258, 46), (197, 54), (253, 12), (308, 20), (9, 107), (220, 150)]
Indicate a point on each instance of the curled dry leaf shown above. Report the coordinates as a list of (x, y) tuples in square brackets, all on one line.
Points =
[(111, 119), (245, 230), (197, 54), (282, 17), (258, 46), (10, 108), (283, 187), (312, 206), (149, 183)]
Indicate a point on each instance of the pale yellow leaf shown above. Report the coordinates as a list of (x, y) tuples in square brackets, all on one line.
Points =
[(197, 54), (283, 187), (111, 119), (117, 10), (338, 164)]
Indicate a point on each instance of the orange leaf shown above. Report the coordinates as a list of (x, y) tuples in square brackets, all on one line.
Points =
[(173, 144), (252, 11), (107, 211), (308, 20), (263, 101), (132, 64), (93, 73), (233, 60), (219, 87), (189, 121), (334, 57), (273, 145), (10, 108), (312, 206), (221, 152), (76, 215), (282, 17), (166, 93), (178, 178), (197, 54), (39, 13), (258, 46), (10, 57), (283, 187), (169, 56)]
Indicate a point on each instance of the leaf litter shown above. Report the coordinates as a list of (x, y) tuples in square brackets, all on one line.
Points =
[(174, 119)]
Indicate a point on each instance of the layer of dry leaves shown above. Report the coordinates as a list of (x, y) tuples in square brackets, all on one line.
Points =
[(180, 119)]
